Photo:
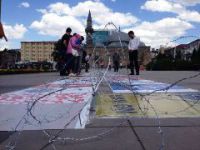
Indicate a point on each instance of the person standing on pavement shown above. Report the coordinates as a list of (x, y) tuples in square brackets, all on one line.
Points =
[(133, 46), (65, 41), (72, 50), (77, 59)]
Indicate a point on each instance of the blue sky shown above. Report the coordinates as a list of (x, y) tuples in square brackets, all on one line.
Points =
[(156, 22)]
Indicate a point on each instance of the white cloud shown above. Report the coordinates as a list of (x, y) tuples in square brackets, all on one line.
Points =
[(4, 44), (188, 15), (15, 32), (56, 27), (162, 6), (187, 2), (162, 31), (24, 4), (59, 8), (113, 0), (63, 16), (102, 14), (43, 11), (174, 7), (58, 16)]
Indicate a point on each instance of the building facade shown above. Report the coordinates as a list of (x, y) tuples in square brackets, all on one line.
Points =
[(37, 51), (8, 58), (184, 50)]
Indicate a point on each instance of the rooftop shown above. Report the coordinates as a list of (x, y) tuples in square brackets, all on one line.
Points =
[(111, 38)]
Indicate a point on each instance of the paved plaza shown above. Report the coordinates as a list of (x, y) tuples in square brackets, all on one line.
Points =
[(158, 109)]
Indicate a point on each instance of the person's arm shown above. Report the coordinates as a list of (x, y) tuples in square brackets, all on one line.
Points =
[(129, 45), (65, 42), (74, 44), (138, 42), (64, 39)]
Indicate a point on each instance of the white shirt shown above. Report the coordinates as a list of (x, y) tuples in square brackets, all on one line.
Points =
[(134, 44)]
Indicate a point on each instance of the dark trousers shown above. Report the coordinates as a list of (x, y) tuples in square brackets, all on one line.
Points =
[(61, 64), (69, 61), (133, 58), (76, 67), (87, 66), (116, 66)]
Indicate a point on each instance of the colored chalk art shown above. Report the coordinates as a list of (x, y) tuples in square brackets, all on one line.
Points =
[(137, 97)]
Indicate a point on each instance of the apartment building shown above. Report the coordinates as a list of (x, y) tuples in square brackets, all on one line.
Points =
[(37, 51), (185, 50)]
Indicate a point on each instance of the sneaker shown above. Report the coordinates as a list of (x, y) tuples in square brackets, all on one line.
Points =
[(72, 75), (78, 74)]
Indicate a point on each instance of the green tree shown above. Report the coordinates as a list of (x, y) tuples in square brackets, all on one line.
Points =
[(198, 55), (178, 55), (59, 51), (194, 55)]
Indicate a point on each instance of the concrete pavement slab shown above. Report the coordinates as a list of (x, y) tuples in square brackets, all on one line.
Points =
[(48, 106), (179, 133)]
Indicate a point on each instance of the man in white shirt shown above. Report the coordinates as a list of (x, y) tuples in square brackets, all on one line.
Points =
[(133, 52)]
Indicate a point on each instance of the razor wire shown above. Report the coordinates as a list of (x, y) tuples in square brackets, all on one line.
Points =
[(34, 103), (157, 117), (96, 88), (102, 77)]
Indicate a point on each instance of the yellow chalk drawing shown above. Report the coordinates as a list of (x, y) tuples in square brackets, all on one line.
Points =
[(166, 105)]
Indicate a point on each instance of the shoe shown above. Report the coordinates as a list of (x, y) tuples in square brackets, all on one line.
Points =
[(138, 74), (62, 73), (72, 75), (78, 74), (131, 74)]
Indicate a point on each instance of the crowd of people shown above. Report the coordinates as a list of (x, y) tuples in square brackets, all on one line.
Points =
[(74, 54)]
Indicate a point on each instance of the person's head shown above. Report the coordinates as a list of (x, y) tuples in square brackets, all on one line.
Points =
[(131, 34), (82, 38), (68, 30)]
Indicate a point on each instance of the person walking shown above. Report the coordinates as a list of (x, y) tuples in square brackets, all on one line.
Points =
[(116, 61), (84, 54), (87, 62), (133, 46)]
